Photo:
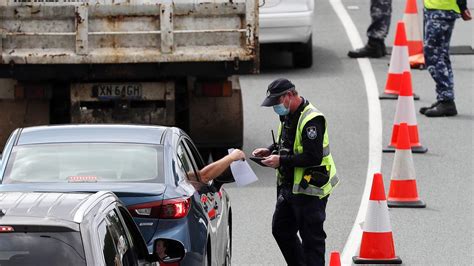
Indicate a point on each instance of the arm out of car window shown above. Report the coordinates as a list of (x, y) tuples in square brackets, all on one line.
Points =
[(216, 168)]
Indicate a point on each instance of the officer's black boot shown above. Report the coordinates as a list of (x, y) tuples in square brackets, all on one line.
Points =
[(374, 48), (384, 49), (444, 108), (423, 109)]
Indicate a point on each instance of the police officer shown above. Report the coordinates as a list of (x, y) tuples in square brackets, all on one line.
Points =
[(439, 20), (306, 174), (380, 14)]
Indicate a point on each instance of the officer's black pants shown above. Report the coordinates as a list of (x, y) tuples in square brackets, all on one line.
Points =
[(303, 214)]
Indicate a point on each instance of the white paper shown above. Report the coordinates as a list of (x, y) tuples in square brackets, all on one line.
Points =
[(242, 172)]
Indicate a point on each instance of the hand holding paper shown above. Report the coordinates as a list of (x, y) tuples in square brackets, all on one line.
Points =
[(242, 172)]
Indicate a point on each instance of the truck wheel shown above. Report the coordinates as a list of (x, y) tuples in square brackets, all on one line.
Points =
[(303, 54)]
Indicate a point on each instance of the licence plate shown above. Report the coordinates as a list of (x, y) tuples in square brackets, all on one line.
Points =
[(117, 90)]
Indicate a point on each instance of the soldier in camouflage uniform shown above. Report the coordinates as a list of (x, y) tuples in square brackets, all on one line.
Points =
[(380, 13), (439, 19)]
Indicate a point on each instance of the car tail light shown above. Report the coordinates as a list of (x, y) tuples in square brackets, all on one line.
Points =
[(5, 229), (166, 209)]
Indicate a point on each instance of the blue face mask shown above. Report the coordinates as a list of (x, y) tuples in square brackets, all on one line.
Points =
[(280, 109)]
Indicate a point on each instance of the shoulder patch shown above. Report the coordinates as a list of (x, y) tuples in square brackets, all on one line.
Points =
[(311, 132)]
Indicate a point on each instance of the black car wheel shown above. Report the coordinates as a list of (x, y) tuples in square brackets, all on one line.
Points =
[(303, 54)]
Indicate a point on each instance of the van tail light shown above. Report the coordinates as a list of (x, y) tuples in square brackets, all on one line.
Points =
[(166, 209)]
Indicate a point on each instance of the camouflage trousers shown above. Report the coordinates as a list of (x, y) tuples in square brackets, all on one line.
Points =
[(438, 28), (380, 14)]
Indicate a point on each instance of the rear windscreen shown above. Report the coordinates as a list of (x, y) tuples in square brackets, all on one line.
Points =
[(85, 162), (41, 248)]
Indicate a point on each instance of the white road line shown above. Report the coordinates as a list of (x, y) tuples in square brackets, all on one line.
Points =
[(375, 132)]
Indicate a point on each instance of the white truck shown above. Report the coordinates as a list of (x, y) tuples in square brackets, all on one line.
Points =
[(128, 61)]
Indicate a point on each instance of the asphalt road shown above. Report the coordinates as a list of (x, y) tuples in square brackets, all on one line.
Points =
[(442, 233)]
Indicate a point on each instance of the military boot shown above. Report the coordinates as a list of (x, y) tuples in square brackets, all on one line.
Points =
[(384, 49), (423, 109), (374, 49), (444, 108)]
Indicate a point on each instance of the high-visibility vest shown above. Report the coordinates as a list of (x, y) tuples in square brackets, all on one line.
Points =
[(308, 113), (442, 5)]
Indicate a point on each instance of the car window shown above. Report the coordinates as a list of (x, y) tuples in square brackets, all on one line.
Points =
[(181, 169), (120, 238), (186, 163), (85, 162), (138, 249), (196, 159), (116, 245), (126, 223), (195, 154), (41, 248), (109, 249)]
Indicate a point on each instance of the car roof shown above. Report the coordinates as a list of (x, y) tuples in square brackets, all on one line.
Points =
[(47, 208), (91, 133)]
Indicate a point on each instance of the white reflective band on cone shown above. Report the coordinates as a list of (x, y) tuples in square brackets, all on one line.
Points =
[(405, 111), (403, 167), (412, 27), (399, 60), (377, 219)]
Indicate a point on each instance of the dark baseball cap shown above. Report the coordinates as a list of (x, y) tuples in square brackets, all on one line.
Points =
[(276, 89)]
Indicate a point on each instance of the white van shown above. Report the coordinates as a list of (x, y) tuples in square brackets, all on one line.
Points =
[(288, 23)]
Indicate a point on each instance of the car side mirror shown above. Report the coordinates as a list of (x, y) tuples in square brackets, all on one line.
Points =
[(168, 250)]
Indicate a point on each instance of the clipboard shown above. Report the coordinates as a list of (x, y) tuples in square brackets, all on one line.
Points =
[(258, 160)]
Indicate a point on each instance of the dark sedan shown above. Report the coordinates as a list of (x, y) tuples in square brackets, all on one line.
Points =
[(153, 170)]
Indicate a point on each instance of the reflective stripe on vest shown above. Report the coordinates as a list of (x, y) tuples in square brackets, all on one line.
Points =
[(326, 151), (307, 114), (442, 5), (312, 190)]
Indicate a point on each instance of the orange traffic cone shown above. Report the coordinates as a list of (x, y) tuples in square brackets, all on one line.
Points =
[(405, 113), (414, 38), (377, 240), (335, 259), (398, 64), (403, 191)]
